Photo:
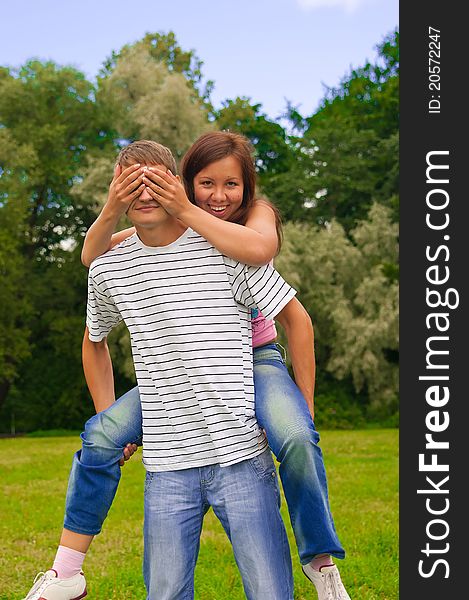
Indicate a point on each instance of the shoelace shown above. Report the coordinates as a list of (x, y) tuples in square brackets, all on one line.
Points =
[(38, 584), (333, 585)]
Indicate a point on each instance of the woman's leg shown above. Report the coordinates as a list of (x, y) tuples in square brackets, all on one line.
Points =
[(283, 413), (92, 486), (95, 470)]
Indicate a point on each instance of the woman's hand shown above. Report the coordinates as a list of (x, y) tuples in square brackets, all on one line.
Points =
[(125, 187), (128, 451), (167, 190)]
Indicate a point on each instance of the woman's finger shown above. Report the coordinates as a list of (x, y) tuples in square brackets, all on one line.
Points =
[(132, 181), (158, 189), (129, 174), (160, 178), (155, 195)]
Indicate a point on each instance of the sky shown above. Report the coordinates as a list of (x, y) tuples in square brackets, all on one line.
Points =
[(268, 50)]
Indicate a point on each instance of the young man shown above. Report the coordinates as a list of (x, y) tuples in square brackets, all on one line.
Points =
[(187, 309)]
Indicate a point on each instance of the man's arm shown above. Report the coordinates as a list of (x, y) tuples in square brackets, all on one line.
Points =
[(300, 335), (97, 367)]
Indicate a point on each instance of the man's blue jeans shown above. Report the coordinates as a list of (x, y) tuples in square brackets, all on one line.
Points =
[(246, 499), (281, 410)]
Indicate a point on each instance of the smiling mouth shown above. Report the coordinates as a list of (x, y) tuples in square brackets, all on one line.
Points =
[(219, 209)]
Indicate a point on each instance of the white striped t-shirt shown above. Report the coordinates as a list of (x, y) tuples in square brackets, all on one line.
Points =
[(187, 308)]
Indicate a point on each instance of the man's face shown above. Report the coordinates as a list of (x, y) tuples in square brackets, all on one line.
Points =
[(145, 210)]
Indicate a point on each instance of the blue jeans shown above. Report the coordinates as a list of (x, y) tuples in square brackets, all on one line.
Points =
[(281, 410), (283, 413), (95, 472), (246, 499)]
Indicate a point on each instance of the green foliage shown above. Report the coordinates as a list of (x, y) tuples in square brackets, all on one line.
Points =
[(15, 307), (338, 409), (48, 433), (164, 48), (349, 147), (268, 138), (337, 168), (353, 304), (49, 114), (148, 90)]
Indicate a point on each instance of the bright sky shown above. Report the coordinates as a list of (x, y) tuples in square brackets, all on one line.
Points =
[(268, 50)]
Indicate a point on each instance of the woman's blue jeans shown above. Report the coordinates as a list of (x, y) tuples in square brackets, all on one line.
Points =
[(281, 411)]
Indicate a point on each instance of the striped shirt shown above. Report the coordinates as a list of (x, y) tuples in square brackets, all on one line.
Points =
[(187, 308)]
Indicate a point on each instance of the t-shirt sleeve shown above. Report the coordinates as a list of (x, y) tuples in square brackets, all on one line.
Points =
[(102, 314), (259, 287)]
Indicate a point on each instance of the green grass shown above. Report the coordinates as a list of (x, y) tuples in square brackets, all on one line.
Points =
[(362, 469)]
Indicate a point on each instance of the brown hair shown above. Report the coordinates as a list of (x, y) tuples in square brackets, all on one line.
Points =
[(216, 145), (147, 152)]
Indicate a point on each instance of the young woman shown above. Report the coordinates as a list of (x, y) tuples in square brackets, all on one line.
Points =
[(218, 200)]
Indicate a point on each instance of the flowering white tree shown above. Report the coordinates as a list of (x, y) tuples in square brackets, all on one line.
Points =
[(350, 289)]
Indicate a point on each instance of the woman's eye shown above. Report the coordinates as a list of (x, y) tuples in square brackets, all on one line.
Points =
[(231, 184), (206, 183)]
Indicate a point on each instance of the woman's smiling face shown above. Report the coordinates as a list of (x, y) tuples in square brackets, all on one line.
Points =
[(218, 188)]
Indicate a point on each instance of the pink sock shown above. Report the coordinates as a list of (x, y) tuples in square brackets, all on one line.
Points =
[(68, 562), (321, 561)]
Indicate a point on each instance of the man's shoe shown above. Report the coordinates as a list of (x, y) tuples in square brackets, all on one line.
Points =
[(47, 586), (327, 581)]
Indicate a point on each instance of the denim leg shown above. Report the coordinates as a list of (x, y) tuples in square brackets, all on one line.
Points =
[(283, 413), (246, 499), (95, 470), (174, 512)]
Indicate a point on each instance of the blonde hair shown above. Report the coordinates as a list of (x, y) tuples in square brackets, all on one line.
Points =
[(147, 152)]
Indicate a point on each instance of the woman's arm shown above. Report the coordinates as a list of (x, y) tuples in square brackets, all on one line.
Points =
[(125, 186), (255, 243), (300, 336), (100, 238)]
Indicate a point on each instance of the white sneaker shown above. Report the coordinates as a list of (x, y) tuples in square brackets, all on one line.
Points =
[(47, 586), (327, 581)]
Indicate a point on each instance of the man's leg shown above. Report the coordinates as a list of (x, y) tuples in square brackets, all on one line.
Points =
[(246, 499), (174, 512)]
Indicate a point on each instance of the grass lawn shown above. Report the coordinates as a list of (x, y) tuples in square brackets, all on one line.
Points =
[(362, 470)]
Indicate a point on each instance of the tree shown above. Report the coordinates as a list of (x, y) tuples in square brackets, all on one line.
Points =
[(145, 97), (349, 147), (49, 115), (268, 137), (47, 122), (164, 49), (15, 307), (278, 164), (347, 288)]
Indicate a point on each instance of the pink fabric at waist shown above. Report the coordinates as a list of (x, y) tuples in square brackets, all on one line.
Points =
[(263, 330)]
